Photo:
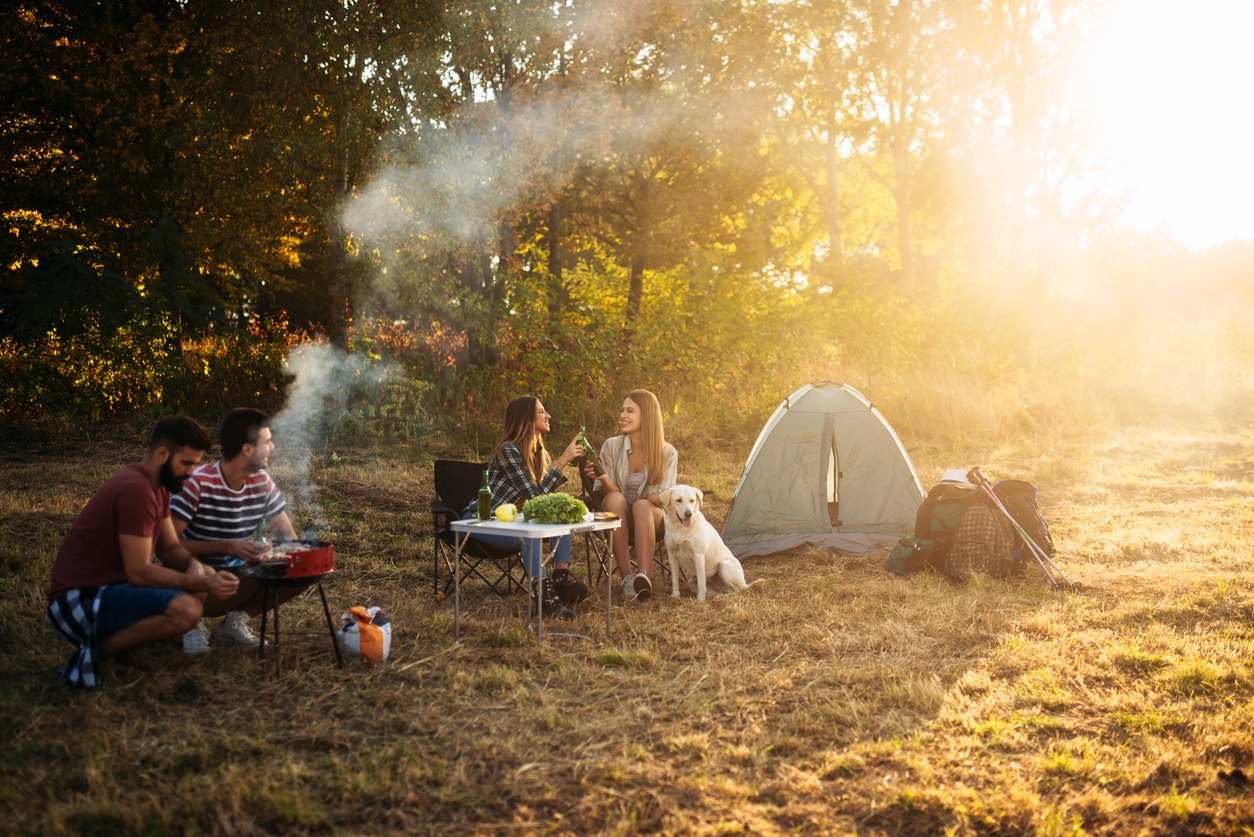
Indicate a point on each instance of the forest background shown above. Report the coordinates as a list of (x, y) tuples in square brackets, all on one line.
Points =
[(463, 202)]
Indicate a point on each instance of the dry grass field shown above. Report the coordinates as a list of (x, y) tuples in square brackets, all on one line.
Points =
[(832, 699)]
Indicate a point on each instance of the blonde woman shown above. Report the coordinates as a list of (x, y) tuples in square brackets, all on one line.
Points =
[(639, 466), (520, 468)]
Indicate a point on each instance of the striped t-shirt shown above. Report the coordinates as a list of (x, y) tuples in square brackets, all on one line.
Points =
[(216, 512)]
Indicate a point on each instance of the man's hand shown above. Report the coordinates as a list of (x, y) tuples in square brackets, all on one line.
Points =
[(222, 585), (248, 550)]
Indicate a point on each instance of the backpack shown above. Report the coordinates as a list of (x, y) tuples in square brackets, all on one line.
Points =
[(942, 509), (1019, 498), (934, 526)]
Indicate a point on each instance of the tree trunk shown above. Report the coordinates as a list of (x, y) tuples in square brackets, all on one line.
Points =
[(477, 276), (337, 269), (832, 201), (643, 204), (635, 294), (901, 196), (560, 294)]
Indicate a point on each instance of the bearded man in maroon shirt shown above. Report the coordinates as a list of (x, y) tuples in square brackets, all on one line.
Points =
[(107, 596)]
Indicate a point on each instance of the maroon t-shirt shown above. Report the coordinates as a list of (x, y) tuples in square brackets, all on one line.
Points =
[(90, 555)]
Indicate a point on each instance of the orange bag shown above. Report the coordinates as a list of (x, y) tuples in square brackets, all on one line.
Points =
[(365, 633)]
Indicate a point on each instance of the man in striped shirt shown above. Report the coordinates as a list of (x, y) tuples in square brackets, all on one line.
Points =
[(219, 510)]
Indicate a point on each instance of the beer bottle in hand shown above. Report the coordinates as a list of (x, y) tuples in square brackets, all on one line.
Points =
[(591, 454)]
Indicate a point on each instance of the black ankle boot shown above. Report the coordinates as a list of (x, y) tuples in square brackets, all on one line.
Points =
[(569, 589), (553, 606)]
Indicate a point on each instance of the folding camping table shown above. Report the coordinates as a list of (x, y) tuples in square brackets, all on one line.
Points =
[(531, 532)]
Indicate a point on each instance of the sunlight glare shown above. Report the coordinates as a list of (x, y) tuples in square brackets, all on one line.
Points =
[(1170, 87)]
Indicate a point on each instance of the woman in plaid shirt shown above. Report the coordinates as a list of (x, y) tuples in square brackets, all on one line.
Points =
[(521, 468)]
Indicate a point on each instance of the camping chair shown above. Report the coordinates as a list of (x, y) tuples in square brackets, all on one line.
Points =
[(502, 570), (600, 548)]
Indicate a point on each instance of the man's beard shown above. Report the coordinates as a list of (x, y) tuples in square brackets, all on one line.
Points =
[(169, 481)]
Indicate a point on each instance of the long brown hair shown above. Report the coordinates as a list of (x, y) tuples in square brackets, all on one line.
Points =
[(651, 435), (520, 431)]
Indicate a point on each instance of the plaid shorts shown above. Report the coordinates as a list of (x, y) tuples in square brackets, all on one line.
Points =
[(983, 542)]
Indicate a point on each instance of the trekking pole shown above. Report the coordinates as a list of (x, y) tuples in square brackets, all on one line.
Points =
[(1042, 557), (1039, 554), (1036, 552)]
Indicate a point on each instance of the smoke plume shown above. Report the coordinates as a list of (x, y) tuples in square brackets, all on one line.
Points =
[(325, 381)]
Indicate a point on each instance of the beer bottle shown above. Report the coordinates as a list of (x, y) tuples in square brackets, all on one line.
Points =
[(590, 453), (485, 498)]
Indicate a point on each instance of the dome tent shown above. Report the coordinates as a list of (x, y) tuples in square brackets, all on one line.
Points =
[(827, 470)]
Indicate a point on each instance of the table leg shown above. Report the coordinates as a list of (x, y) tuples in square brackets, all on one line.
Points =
[(537, 550), (609, 583), (459, 543)]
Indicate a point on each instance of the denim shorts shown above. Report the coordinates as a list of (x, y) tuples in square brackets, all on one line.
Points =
[(123, 605)]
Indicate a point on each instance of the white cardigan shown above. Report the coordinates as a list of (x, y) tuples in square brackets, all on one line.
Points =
[(614, 453)]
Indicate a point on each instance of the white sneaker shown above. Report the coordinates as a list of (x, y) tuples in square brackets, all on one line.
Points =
[(629, 587), (644, 587), (234, 630), (196, 641)]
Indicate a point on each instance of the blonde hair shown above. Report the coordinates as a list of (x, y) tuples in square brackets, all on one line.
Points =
[(520, 431), (651, 435)]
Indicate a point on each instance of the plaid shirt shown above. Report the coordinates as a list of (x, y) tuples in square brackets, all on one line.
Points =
[(74, 614), (510, 481)]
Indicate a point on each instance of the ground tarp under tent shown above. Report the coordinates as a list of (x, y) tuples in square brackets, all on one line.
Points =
[(826, 470)]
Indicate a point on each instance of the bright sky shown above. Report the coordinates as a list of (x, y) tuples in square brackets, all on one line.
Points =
[(1172, 87)]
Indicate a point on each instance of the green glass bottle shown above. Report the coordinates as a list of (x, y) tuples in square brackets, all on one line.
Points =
[(259, 534), (590, 453), (485, 498)]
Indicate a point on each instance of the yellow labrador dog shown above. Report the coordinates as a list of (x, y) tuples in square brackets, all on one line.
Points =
[(691, 542)]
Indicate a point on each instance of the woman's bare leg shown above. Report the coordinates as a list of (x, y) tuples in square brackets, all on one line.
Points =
[(616, 503), (646, 520)]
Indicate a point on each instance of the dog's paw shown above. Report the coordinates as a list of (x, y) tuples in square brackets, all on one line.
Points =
[(674, 594)]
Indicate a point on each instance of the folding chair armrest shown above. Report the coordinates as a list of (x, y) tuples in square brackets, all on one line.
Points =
[(442, 515)]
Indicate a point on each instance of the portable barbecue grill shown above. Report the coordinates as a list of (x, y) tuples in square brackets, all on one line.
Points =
[(292, 564), (294, 559)]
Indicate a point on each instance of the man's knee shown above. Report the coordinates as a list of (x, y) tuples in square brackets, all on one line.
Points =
[(185, 610), (247, 598)]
